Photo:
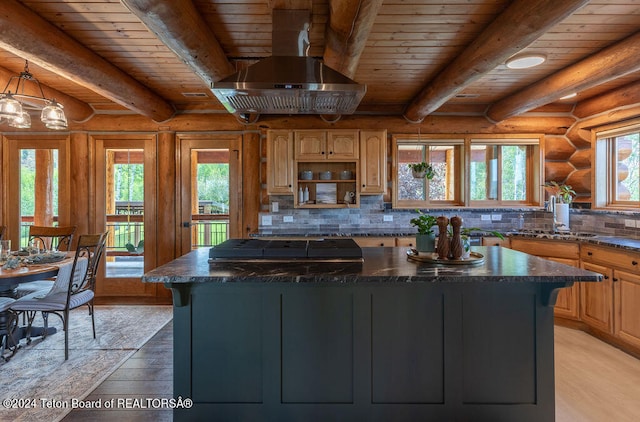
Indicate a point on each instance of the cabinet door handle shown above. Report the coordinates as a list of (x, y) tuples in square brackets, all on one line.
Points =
[(590, 253), (634, 262), (615, 279), (330, 152), (363, 185), (322, 153), (606, 277)]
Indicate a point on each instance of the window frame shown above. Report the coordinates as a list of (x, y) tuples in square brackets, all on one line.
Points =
[(534, 162), (427, 141), (605, 165)]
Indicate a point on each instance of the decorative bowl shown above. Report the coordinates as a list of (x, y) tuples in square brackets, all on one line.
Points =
[(324, 175), (346, 175), (306, 175)]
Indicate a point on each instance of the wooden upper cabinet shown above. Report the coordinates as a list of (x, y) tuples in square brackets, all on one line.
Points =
[(373, 161), (326, 145), (280, 162), (342, 144), (310, 144)]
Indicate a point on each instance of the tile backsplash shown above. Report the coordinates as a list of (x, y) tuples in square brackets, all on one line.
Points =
[(375, 218)]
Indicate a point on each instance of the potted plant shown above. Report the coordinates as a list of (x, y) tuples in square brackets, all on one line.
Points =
[(563, 193), (425, 238), (422, 170), (465, 233)]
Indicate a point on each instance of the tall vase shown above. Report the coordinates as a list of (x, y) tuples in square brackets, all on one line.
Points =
[(456, 239), (443, 237)]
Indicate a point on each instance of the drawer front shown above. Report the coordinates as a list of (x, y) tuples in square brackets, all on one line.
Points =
[(550, 248), (495, 241), (611, 257), (369, 242), (409, 242)]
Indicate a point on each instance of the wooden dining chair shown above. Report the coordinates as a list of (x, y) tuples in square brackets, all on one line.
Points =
[(70, 291), (46, 238), (49, 238), (7, 341)]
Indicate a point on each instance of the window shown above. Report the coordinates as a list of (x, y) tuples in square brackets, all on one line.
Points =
[(617, 167), (501, 171), (445, 155)]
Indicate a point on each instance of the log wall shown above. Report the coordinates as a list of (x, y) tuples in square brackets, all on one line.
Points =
[(567, 155)]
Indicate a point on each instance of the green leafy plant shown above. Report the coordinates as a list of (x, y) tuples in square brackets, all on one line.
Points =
[(422, 168), (564, 193), (466, 232), (424, 222)]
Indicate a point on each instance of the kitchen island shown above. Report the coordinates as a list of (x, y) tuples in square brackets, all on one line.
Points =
[(378, 340)]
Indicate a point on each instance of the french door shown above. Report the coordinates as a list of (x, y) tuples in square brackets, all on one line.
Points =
[(126, 186), (210, 189)]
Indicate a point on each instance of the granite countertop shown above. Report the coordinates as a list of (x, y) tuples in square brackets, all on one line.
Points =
[(596, 239), (379, 265), (611, 241)]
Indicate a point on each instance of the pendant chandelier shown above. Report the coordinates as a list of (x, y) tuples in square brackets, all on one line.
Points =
[(14, 103)]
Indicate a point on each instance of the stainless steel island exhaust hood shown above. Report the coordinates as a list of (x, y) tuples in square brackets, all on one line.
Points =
[(289, 82)]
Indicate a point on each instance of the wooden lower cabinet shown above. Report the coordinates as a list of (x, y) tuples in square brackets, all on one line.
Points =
[(568, 301), (566, 252), (596, 299), (626, 293)]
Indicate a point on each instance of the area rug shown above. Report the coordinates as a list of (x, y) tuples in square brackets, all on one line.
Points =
[(38, 375)]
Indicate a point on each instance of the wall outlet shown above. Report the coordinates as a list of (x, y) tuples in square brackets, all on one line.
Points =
[(287, 219), (496, 217), (485, 217), (275, 207), (629, 223), (267, 220), (387, 217)]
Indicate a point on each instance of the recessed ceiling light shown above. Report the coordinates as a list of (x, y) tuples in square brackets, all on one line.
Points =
[(524, 61), (566, 97)]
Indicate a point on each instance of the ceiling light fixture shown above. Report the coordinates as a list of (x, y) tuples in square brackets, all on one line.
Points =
[(525, 61), (14, 103), (566, 97)]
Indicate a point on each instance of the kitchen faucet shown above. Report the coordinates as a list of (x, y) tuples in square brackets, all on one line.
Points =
[(551, 207)]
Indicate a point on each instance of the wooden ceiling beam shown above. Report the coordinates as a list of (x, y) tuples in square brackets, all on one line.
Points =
[(626, 95), (610, 63), (181, 28), (27, 35), (75, 110), (346, 35), (522, 22)]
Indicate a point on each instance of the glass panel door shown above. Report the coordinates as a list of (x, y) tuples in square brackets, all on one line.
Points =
[(210, 177), (125, 206)]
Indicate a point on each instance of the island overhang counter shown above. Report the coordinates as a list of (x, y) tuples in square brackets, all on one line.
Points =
[(377, 340)]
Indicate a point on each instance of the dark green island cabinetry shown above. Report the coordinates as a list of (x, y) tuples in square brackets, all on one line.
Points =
[(381, 340)]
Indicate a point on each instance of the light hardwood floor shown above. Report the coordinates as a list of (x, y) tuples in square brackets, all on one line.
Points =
[(595, 382)]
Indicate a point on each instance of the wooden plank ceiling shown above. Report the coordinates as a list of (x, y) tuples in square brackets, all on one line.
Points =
[(416, 57)]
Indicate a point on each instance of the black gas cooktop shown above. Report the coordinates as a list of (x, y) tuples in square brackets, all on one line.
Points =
[(342, 250)]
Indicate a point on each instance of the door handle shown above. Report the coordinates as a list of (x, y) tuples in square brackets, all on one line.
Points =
[(186, 224)]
